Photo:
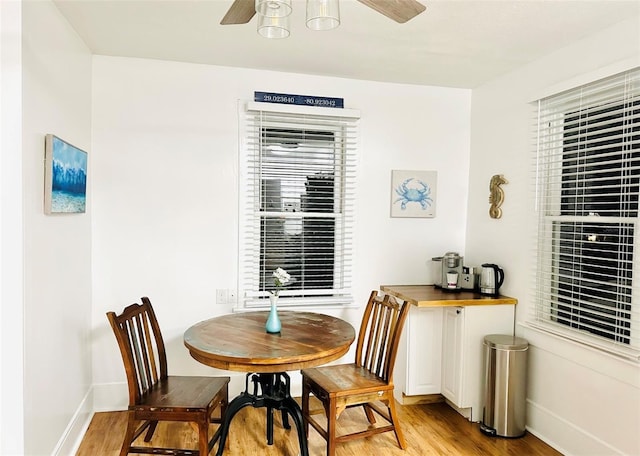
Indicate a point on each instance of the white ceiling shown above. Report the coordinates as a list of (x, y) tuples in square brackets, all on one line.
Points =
[(454, 43)]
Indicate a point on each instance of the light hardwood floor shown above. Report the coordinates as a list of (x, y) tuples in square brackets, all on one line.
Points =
[(432, 429)]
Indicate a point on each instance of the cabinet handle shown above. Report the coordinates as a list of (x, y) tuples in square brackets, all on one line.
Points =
[(458, 311)]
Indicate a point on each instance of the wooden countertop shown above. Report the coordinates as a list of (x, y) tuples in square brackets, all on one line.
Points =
[(430, 296)]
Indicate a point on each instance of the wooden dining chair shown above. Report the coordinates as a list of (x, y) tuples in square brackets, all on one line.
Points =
[(366, 383), (155, 396)]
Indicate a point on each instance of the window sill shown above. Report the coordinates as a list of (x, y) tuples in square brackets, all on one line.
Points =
[(302, 307)]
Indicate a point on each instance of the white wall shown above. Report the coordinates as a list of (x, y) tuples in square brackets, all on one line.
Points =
[(580, 401), (165, 173), (56, 99), (11, 227)]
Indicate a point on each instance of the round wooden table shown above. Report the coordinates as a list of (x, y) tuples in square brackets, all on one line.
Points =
[(239, 342)]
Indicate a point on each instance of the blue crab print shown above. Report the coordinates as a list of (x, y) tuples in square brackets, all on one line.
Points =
[(413, 195)]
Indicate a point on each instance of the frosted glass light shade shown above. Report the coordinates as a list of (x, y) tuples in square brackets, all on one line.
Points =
[(273, 8), (273, 27), (323, 14)]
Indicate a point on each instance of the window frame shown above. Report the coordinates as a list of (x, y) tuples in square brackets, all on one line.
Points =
[(344, 124), (549, 173)]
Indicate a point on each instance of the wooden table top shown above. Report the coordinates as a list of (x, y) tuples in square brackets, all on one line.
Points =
[(239, 342), (430, 296)]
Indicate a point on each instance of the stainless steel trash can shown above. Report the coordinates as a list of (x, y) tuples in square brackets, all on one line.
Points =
[(505, 385)]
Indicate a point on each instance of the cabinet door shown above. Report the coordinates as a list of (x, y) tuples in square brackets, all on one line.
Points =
[(424, 350), (452, 353)]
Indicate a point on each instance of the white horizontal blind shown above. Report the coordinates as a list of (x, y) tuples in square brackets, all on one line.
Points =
[(298, 169), (588, 182)]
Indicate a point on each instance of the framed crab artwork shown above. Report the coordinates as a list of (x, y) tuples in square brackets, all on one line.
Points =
[(413, 193)]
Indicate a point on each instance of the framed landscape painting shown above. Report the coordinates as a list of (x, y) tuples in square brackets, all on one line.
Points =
[(65, 177)]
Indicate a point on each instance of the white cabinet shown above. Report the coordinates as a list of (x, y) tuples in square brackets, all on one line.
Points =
[(417, 369), (441, 348), (463, 332), (424, 344)]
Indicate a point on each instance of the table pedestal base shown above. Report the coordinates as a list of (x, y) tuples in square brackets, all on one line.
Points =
[(275, 395)]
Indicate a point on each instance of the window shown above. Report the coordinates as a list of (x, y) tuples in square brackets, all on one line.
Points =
[(588, 182), (297, 196)]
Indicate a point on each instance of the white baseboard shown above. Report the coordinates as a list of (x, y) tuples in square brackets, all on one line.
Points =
[(563, 435), (72, 436)]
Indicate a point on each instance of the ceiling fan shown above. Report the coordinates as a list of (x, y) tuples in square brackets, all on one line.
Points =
[(241, 11)]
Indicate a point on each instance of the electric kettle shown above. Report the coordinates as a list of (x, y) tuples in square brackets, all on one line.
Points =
[(491, 278)]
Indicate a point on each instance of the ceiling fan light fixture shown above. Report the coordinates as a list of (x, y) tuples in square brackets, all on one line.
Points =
[(273, 8), (323, 14), (273, 27)]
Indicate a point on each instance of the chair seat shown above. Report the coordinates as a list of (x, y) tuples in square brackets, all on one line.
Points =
[(186, 393), (346, 379)]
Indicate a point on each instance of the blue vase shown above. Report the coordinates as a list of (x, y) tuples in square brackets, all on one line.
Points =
[(273, 325)]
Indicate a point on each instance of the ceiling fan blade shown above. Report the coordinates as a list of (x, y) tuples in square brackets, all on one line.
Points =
[(240, 12), (398, 10)]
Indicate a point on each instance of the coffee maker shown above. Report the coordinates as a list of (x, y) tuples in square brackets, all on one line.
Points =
[(451, 271)]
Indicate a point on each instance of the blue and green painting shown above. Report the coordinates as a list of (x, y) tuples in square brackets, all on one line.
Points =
[(69, 178)]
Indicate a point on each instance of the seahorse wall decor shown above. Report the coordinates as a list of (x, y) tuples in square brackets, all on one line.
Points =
[(496, 195)]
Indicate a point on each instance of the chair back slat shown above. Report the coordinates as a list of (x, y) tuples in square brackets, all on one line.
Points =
[(152, 358), (379, 329), (131, 329), (141, 346), (374, 338), (389, 323), (362, 358), (379, 335), (143, 352)]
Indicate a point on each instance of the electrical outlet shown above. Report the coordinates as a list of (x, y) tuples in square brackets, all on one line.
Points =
[(221, 297), (232, 297)]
